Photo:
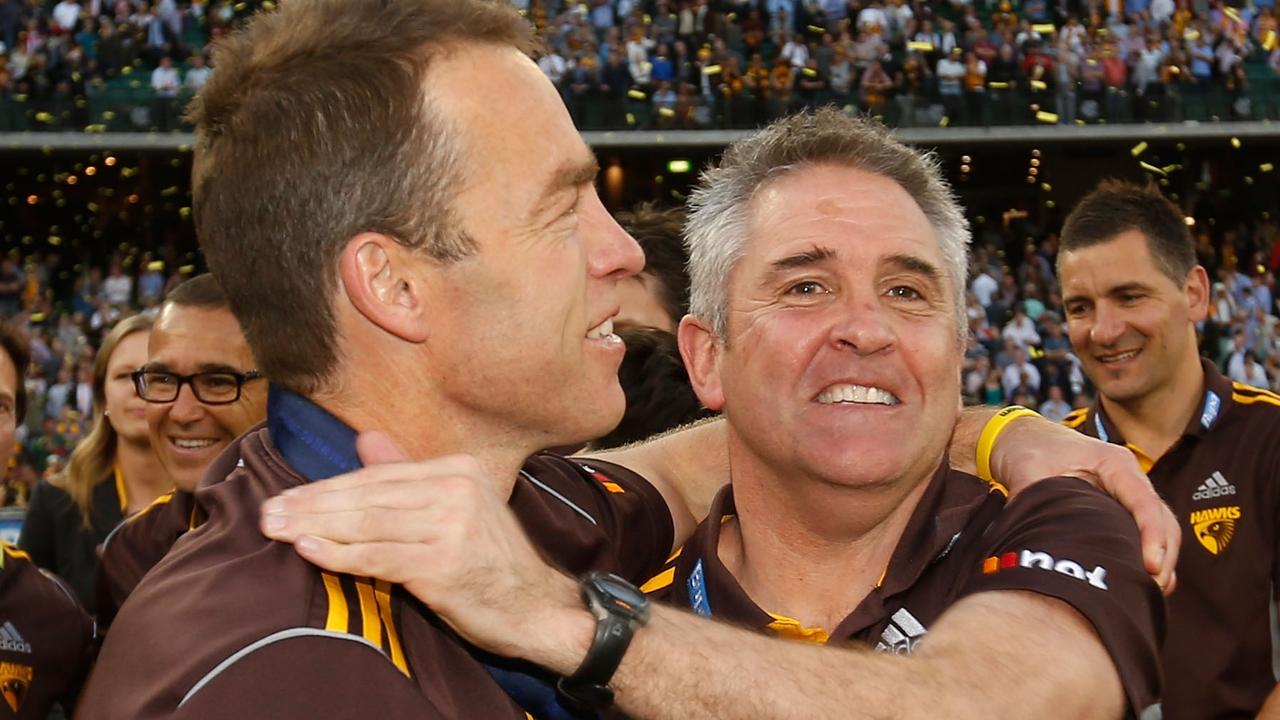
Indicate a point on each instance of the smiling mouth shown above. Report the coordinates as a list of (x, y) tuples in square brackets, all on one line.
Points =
[(856, 395), (601, 331), (192, 443), (1119, 357)]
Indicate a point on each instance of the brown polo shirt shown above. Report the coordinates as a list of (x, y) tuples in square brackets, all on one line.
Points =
[(46, 639), (136, 545), (1060, 538), (1220, 479), (232, 625)]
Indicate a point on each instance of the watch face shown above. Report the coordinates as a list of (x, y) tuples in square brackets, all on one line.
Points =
[(624, 596)]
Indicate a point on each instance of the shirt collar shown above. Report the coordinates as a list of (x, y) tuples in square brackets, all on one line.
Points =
[(309, 438), (942, 513), (1215, 401)]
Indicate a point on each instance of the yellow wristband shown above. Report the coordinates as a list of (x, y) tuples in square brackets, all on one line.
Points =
[(991, 431)]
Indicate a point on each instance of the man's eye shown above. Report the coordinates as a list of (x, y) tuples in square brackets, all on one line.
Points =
[(808, 287), (904, 292)]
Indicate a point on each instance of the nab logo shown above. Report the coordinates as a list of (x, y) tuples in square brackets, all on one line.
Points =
[(1096, 577), (1215, 527), (15, 681)]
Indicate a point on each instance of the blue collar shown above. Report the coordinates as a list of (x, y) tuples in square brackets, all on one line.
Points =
[(313, 442)]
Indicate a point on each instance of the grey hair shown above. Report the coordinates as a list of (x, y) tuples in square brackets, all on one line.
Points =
[(720, 207)]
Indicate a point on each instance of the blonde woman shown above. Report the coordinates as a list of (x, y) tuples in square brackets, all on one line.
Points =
[(112, 473)]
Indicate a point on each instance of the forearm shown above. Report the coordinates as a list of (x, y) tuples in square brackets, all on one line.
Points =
[(689, 464), (678, 667)]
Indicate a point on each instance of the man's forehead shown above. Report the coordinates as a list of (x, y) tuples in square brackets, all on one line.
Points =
[(197, 336)]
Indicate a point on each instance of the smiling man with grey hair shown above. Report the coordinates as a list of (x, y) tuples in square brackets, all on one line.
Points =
[(827, 267)]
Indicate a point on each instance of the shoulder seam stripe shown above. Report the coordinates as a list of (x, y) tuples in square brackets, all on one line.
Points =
[(1238, 388), (260, 643), (160, 500), (1247, 400), (550, 491)]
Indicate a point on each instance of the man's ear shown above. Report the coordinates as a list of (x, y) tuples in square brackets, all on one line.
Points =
[(700, 349), (384, 282), (1197, 289)]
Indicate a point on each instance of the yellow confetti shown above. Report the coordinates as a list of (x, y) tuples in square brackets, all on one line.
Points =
[(810, 72), (1047, 117), (711, 70), (1235, 143), (1138, 149), (1171, 168), (1039, 85), (816, 29), (945, 121), (666, 112), (1046, 187), (1269, 41), (1266, 167), (996, 85), (187, 269), (635, 95), (155, 265), (1044, 28), (916, 46), (1151, 168)]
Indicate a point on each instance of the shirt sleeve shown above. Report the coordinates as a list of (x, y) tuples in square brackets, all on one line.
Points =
[(594, 515), (306, 677), (1065, 539)]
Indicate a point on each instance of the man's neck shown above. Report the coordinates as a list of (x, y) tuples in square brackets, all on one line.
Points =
[(421, 426), (144, 477), (1155, 421), (812, 550)]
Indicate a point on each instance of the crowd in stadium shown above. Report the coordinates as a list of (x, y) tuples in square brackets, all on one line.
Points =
[(741, 63), (1019, 352)]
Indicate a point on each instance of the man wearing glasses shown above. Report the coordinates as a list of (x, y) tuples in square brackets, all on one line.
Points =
[(202, 391)]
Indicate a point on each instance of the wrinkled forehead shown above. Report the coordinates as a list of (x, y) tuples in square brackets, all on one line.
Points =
[(187, 339)]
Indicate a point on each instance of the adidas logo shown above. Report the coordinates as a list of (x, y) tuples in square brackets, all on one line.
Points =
[(902, 635), (1216, 486), (11, 640)]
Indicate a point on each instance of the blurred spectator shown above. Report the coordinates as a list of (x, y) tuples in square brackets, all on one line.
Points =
[(112, 472), (658, 296), (1020, 374)]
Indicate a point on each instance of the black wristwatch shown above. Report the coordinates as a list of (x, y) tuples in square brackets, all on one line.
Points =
[(619, 608)]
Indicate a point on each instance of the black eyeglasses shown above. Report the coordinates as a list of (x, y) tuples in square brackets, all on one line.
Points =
[(218, 387)]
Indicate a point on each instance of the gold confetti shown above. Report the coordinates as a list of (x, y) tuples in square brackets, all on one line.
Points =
[(1269, 41), (1171, 168), (1151, 168), (1046, 187), (711, 70), (1266, 167), (916, 46), (666, 112), (1138, 149), (1047, 117), (1044, 28), (997, 85), (1235, 143), (635, 95), (945, 121), (1039, 85)]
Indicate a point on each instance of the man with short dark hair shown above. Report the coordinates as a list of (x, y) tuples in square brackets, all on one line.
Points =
[(46, 637), (203, 390), (1134, 293)]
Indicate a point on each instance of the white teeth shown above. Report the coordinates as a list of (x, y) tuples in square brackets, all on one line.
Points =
[(604, 329), (1121, 357), (859, 394), (186, 444)]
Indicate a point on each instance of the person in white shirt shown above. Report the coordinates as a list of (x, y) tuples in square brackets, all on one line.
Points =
[(66, 14), (198, 75), (984, 287), (1055, 408), (1018, 371), (554, 66), (164, 79), (1021, 329)]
